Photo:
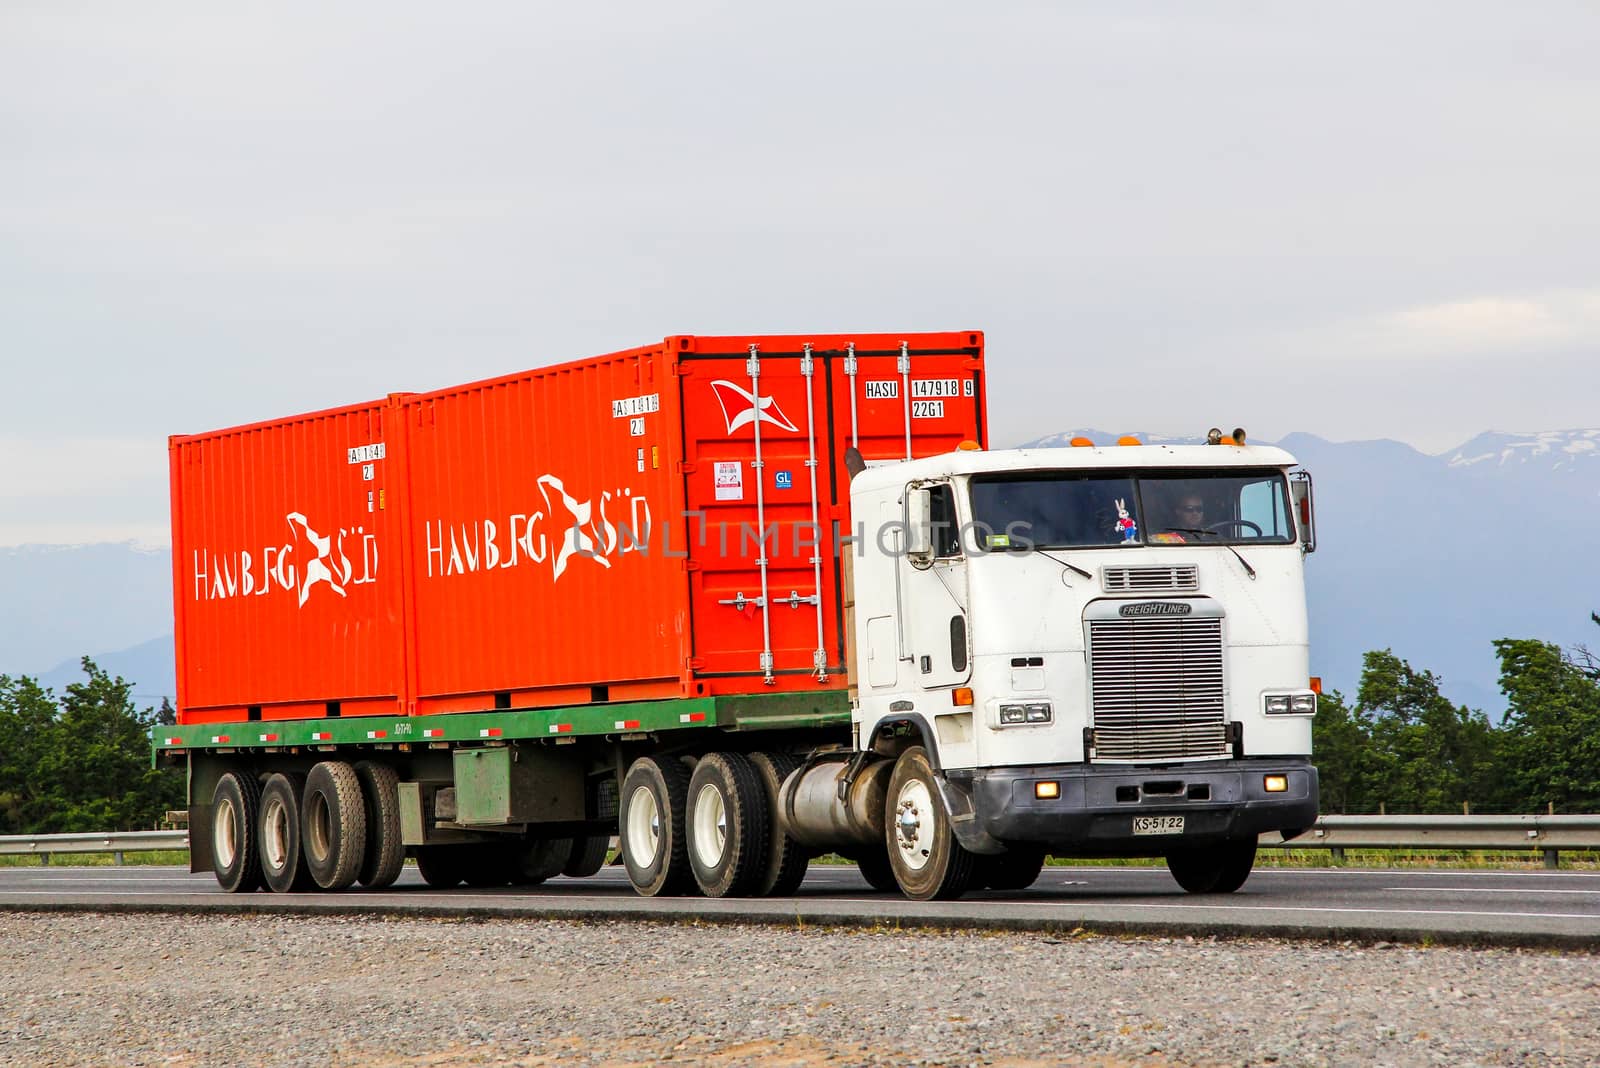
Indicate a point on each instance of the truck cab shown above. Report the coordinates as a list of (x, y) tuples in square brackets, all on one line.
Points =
[(1084, 651)]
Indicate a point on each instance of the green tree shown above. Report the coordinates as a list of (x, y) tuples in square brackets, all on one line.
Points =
[(1425, 753), (1552, 726), (81, 763), (1342, 748)]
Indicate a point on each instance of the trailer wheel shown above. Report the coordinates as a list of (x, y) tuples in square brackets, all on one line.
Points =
[(1218, 870), (234, 805), (588, 856), (928, 861), (333, 827), (283, 864), (440, 866), (540, 859), (786, 859), (728, 825), (1016, 870), (876, 870), (654, 798), (385, 856)]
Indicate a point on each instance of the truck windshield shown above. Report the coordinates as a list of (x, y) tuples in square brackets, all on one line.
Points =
[(1053, 510)]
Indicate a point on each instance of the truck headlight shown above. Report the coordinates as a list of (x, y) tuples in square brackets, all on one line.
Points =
[(1303, 703), (1033, 713)]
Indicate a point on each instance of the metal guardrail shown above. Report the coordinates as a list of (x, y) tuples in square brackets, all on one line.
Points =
[(1546, 834), (44, 846)]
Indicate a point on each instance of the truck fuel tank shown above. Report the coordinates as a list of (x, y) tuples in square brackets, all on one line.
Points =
[(814, 812)]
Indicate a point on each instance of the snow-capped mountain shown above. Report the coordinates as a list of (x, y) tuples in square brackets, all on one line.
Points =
[(1574, 453)]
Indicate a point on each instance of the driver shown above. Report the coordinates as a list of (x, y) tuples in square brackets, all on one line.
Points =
[(1186, 515)]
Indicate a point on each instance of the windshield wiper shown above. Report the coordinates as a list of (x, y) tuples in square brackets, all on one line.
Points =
[(1248, 570), (1065, 563)]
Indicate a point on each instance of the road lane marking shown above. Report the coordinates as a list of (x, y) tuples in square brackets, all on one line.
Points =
[(1483, 890)]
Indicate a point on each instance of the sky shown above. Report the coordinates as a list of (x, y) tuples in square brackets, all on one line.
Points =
[(1358, 221)]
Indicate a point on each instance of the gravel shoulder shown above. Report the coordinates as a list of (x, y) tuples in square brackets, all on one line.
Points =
[(95, 989)]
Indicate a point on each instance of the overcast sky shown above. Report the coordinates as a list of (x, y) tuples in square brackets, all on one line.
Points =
[(1359, 221)]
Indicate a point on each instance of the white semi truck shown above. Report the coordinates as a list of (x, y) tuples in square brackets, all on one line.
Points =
[(1079, 651)]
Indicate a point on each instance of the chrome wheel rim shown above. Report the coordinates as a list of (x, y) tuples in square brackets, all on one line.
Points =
[(710, 826), (913, 824), (644, 827)]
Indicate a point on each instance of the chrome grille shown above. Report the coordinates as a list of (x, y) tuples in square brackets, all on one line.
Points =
[(1181, 579), (1156, 688)]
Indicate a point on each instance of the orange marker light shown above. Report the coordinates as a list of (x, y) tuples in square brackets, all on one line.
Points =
[(1316, 684), (969, 446), (1081, 443), (1047, 791), (961, 695), (1129, 439)]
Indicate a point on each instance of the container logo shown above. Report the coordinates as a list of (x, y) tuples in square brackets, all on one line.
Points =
[(739, 408), (586, 530), (306, 560)]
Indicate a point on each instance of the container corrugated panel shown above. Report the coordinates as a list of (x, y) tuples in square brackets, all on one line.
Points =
[(534, 575), (286, 569), (922, 391)]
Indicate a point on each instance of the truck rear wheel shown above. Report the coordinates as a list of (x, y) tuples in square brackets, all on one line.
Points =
[(283, 864), (928, 862), (588, 856), (235, 856), (1015, 870), (541, 859), (386, 854), (440, 866), (333, 824), (728, 825), (786, 859), (654, 849), (1216, 870)]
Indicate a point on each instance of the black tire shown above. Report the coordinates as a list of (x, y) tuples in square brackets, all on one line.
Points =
[(283, 864), (386, 854), (440, 866), (929, 864), (333, 824), (787, 859), (1219, 869), (655, 795), (876, 870), (1016, 870), (728, 823), (588, 856), (541, 858), (236, 855)]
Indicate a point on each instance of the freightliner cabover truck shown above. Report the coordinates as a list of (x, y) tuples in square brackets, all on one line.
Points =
[(737, 601)]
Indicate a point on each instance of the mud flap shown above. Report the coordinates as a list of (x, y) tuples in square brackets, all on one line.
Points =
[(201, 858), (964, 819)]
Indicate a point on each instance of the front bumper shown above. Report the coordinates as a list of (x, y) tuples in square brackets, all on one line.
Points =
[(1093, 816)]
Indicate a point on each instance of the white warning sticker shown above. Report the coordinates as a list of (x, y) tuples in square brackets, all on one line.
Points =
[(730, 480)]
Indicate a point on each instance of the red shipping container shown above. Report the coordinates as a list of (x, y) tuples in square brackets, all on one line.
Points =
[(286, 556), (589, 532)]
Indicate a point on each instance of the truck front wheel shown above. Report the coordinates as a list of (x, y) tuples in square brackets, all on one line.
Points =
[(652, 824), (928, 862), (1216, 870)]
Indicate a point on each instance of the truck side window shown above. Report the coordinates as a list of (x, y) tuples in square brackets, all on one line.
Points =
[(946, 529)]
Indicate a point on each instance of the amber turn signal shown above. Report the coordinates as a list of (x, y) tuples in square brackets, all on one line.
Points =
[(1276, 784), (961, 695), (1047, 791)]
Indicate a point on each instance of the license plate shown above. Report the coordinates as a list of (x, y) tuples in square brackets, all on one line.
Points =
[(1158, 825)]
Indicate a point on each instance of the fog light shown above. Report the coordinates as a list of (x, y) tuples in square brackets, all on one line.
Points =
[(1276, 784), (1047, 791)]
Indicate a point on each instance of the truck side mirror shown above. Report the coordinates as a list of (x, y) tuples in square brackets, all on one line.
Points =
[(919, 528), (1305, 518)]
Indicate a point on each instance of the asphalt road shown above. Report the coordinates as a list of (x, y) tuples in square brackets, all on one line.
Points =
[(1471, 907)]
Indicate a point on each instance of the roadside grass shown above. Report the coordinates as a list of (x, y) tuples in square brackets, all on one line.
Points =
[(155, 857)]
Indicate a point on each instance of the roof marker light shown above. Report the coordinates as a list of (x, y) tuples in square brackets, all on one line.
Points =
[(1214, 436), (1129, 439), (969, 446), (1081, 443)]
